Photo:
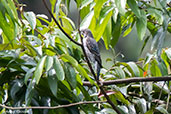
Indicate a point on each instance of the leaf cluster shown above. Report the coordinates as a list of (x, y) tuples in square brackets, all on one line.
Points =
[(40, 66)]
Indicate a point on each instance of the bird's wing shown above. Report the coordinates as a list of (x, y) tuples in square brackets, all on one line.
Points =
[(94, 49)]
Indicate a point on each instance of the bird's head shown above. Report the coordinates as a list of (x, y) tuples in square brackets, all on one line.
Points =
[(86, 33)]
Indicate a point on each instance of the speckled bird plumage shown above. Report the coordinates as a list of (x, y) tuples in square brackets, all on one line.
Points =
[(92, 50)]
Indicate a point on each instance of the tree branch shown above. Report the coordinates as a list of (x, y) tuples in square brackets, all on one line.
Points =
[(59, 24), (94, 75), (88, 62), (53, 107), (131, 80)]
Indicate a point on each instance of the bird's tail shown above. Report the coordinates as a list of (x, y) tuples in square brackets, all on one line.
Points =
[(98, 71)]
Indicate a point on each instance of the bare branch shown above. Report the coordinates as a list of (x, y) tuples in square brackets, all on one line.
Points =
[(131, 80), (59, 24), (54, 107)]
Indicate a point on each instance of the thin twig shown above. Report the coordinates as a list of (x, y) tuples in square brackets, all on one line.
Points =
[(59, 25), (161, 92), (53, 107), (40, 33), (168, 98), (131, 80)]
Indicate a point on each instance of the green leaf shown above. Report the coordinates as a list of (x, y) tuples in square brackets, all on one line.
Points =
[(107, 35), (28, 74), (120, 4), (9, 6), (31, 17), (68, 58), (82, 71), (9, 47), (16, 87), (52, 2), (84, 11), (108, 111), (131, 109), (141, 25), (87, 20), (85, 3), (7, 27), (84, 92), (30, 92), (52, 82), (162, 67), (121, 98), (58, 69), (142, 105), (97, 7), (155, 71), (116, 31), (150, 112), (144, 44), (120, 72), (134, 7), (134, 68), (162, 110), (105, 17), (168, 53), (70, 75), (48, 63), (68, 22), (158, 15), (39, 69)]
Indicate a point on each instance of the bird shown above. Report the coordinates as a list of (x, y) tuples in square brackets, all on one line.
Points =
[(92, 51)]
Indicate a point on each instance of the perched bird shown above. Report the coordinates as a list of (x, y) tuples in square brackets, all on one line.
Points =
[(92, 50)]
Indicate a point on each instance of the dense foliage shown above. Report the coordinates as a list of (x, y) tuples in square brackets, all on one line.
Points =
[(40, 66)]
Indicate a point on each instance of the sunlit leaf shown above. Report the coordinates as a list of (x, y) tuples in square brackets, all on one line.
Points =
[(7, 27), (70, 59), (31, 17), (168, 53), (39, 69), (87, 20), (103, 22), (58, 69), (52, 5), (142, 105), (85, 3), (107, 35), (97, 7), (155, 71), (120, 4), (162, 110), (48, 62), (108, 110), (120, 72), (134, 68), (121, 98)]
